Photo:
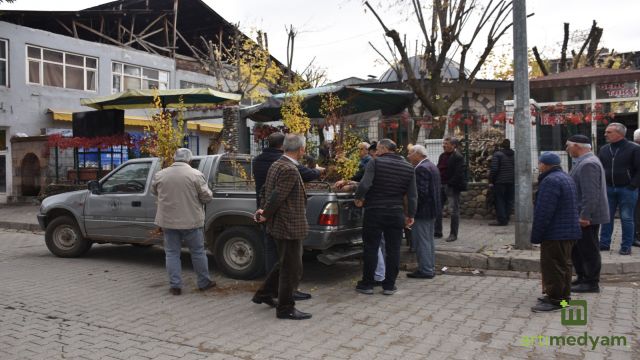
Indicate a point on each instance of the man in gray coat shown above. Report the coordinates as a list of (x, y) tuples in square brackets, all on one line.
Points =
[(591, 188), (182, 192)]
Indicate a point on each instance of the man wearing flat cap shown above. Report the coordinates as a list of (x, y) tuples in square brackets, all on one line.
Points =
[(556, 228), (593, 209)]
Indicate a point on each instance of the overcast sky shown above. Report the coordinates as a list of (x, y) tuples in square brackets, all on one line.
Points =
[(337, 32)]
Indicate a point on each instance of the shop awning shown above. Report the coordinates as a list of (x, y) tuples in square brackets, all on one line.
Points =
[(132, 120), (143, 99), (358, 100)]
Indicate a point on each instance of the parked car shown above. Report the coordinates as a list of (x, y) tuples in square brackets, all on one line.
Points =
[(120, 208)]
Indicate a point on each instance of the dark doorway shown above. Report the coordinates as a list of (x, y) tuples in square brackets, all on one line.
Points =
[(30, 170)]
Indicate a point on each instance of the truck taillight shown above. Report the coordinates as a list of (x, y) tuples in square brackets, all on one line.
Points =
[(329, 215)]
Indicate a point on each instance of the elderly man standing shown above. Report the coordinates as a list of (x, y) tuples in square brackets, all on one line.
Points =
[(452, 178), (428, 187), (363, 152), (387, 180), (620, 159), (591, 187), (555, 226), (182, 192), (283, 209)]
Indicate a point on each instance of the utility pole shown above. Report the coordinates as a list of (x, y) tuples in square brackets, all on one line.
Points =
[(522, 121)]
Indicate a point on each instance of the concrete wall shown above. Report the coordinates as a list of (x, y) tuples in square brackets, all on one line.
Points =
[(23, 106)]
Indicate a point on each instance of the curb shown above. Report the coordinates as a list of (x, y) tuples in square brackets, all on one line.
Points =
[(508, 263), (19, 226)]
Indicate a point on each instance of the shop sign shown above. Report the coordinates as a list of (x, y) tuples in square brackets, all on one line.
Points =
[(617, 90)]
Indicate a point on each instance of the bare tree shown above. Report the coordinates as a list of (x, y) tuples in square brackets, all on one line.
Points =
[(441, 40)]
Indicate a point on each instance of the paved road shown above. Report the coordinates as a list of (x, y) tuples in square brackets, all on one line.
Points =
[(114, 304)]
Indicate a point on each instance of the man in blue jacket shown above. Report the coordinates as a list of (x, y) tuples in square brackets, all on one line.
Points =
[(621, 161), (556, 228), (428, 187)]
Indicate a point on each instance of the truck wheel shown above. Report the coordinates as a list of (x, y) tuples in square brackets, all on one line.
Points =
[(64, 239), (239, 253)]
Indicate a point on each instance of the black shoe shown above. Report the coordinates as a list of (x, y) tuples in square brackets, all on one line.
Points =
[(265, 300), (294, 315), (377, 283), (636, 243), (545, 307), (543, 299), (364, 289), (389, 291), (576, 281), (452, 238), (419, 275), (604, 248), (585, 288), (437, 235), (497, 224), (175, 291), (210, 285), (299, 296), (625, 251)]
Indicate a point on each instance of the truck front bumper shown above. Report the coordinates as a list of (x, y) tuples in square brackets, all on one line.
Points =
[(42, 220)]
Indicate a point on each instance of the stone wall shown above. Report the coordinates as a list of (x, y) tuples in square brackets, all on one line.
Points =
[(29, 158), (473, 202)]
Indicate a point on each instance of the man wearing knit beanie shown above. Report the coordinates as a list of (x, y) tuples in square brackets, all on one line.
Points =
[(556, 228), (593, 208)]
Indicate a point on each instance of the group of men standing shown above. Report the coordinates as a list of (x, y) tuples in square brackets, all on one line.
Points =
[(572, 209)]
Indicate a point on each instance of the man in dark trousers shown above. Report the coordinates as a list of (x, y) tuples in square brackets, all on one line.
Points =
[(555, 227), (428, 187), (593, 208), (261, 165), (387, 180), (283, 209), (620, 159), (452, 179), (502, 181)]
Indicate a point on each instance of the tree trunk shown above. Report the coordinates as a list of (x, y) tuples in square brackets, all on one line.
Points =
[(229, 129)]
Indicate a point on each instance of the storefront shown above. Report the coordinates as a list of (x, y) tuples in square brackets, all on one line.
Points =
[(584, 101)]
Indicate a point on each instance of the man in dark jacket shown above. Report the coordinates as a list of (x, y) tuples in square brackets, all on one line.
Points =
[(621, 162), (555, 226), (428, 187), (387, 180), (453, 181), (502, 179), (363, 152), (591, 189), (260, 166)]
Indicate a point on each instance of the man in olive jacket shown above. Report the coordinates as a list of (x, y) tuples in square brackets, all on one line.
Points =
[(182, 192), (591, 188), (283, 209)]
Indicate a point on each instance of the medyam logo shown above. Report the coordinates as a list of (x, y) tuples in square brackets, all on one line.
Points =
[(574, 313)]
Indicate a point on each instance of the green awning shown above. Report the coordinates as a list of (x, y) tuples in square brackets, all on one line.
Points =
[(359, 100), (143, 99)]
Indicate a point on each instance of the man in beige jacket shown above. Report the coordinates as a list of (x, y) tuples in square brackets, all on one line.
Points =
[(182, 193)]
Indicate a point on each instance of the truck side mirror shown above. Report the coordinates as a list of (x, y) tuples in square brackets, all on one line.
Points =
[(94, 187)]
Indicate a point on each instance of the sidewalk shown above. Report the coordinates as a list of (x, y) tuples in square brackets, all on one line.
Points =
[(479, 246)]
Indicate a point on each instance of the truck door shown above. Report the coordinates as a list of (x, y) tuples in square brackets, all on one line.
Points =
[(124, 210)]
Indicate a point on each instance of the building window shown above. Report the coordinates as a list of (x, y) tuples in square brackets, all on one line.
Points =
[(127, 77), (4, 63), (61, 69), (192, 85)]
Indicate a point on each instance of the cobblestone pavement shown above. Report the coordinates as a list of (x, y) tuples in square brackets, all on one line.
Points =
[(114, 304)]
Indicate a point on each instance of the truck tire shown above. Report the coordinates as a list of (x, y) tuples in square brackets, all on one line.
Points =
[(64, 239), (239, 252)]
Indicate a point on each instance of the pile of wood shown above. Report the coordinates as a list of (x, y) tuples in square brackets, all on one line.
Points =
[(482, 144)]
